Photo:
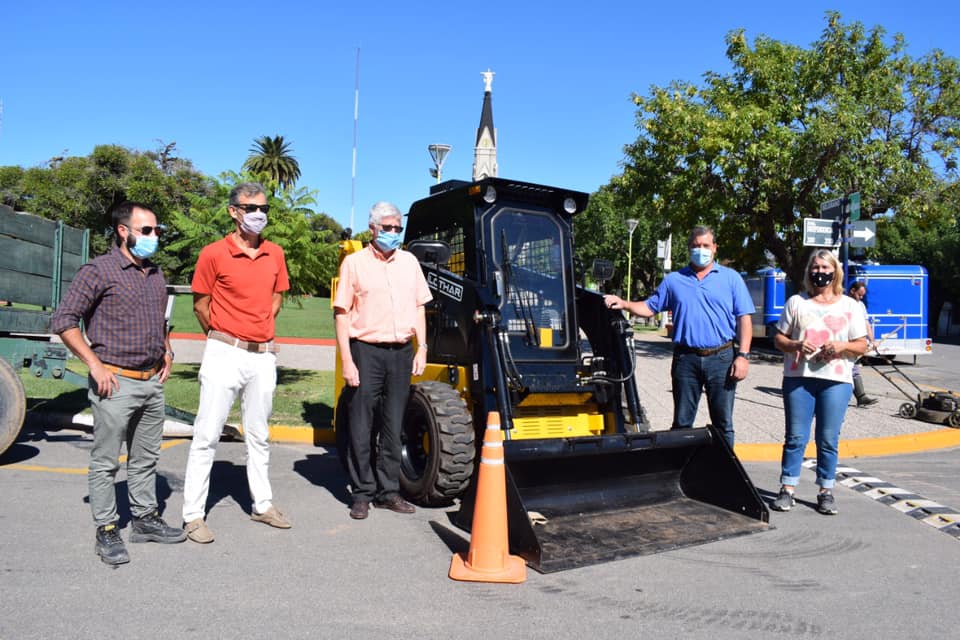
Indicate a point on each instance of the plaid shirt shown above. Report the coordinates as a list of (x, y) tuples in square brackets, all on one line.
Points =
[(122, 307)]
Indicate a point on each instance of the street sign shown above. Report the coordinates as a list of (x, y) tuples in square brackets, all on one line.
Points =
[(853, 206), (831, 209), (818, 232), (863, 233)]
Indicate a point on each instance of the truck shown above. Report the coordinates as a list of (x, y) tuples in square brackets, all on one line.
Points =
[(897, 303), (510, 331), (38, 260)]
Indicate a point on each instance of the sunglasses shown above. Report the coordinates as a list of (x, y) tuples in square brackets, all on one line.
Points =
[(146, 231), (392, 227), (250, 208)]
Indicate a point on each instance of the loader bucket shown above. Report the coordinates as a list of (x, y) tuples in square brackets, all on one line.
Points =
[(611, 497)]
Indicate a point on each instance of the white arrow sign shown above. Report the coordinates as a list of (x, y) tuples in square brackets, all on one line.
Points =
[(865, 233)]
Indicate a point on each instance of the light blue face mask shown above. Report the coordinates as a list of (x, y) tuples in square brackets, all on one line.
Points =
[(145, 246), (700, 257), (389, 240)]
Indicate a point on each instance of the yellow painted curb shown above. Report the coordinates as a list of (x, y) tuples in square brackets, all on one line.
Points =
[(302, 435), (866, 447), (747, 452)]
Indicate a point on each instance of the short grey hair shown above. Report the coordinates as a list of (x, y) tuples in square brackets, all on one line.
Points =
[(246, 189), (382, 210), (701, 230)]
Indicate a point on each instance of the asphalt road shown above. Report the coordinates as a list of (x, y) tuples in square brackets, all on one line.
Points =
[(871, 572)]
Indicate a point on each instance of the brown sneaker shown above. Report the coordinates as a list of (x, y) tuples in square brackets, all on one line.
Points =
[(272, 517), (198, 531), (396, 504)]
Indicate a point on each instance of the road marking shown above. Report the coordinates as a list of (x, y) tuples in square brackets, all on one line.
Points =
[(75, 470), (934, 514)]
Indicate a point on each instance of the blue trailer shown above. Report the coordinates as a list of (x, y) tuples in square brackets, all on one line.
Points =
[(897, 301), (769, 289)]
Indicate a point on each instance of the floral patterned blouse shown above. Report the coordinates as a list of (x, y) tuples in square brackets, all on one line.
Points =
[(803, 319)]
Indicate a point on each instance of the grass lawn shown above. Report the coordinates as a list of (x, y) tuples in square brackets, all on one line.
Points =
[(304, 317), (303, 397)]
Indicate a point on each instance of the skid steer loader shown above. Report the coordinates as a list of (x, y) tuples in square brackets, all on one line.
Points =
[(510, 331)]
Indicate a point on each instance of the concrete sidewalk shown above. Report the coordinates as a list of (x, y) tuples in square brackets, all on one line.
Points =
[(758, 413)]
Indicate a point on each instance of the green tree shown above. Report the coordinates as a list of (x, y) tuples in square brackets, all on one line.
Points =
[(602, 232), (754, 151), (271, 157), (81, 191)]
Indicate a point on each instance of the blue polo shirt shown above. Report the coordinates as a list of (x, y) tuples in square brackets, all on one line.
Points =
[(705, 311)]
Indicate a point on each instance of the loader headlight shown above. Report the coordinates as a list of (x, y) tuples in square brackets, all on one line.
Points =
[(490, 195), (570, 205)]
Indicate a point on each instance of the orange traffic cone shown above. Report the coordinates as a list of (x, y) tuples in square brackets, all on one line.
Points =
[(489, 558)]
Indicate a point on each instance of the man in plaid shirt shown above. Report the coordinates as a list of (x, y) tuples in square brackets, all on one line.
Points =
[(121, 299)]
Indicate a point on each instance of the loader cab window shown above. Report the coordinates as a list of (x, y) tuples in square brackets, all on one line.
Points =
[(528, 251)]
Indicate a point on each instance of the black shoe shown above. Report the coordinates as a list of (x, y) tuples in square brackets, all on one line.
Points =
[(110, 545), (826, 504), (359, 510), (784, 501), (152, 528), (866, 401), (396, 503)]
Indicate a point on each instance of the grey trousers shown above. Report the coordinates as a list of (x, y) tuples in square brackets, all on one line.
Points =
[(132, 415)]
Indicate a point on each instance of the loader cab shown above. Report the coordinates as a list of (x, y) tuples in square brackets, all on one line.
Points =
[(533, 284)]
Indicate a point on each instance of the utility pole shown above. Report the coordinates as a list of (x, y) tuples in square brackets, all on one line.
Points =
[(631, 227)]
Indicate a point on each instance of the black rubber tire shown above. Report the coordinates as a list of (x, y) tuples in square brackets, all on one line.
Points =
[(953, 420), (439, 445), (13, 405), (908, 410)]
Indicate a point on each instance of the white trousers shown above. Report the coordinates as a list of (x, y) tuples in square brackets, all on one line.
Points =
[(225, 372)]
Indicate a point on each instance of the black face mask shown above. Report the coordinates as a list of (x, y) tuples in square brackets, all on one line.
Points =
[(820, 278)]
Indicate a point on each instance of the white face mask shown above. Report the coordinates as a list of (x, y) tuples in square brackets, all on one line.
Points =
[(254, 223)]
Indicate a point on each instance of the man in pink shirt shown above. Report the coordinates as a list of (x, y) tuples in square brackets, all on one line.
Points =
[(379, 309)]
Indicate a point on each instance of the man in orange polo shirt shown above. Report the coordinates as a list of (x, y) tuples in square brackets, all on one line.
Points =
[(237, 292), (379, 309)]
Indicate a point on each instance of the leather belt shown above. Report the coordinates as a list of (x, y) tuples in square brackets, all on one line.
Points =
[(682, 348), (393, 346), (136, 374), (252, 347)]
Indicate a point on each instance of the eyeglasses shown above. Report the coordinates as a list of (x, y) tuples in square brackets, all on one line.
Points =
[(392, 227), (250, 208), (146, 231)]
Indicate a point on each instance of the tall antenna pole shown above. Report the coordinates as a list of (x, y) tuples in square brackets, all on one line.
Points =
[(356, 118)]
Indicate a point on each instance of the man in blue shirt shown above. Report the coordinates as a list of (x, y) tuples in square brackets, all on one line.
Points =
[(711, 313)]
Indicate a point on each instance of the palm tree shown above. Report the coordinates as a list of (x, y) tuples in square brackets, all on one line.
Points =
[(271, 156)]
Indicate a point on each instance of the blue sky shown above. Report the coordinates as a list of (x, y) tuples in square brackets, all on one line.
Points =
[(212, 76)]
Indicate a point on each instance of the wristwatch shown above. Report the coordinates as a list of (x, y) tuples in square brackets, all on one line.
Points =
[(743, 354), (170, 353)]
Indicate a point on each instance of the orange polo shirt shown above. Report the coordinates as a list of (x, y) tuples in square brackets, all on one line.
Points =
[(381, 295), (241, 288)]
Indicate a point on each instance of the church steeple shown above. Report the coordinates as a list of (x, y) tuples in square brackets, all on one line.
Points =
[(485, 151)]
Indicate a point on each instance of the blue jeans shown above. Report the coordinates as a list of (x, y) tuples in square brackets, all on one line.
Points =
[(691, 374), (804, 399)]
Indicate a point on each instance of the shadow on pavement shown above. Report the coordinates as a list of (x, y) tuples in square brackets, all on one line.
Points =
[(324, 470), (164, 491)]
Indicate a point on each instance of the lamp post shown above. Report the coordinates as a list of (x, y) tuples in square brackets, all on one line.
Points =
[(631, 227), (439, 154)]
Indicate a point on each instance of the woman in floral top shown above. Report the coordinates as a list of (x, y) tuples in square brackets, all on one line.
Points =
[(821, 334)]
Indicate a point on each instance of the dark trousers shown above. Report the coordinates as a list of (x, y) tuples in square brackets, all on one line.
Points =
[(385, 383)]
